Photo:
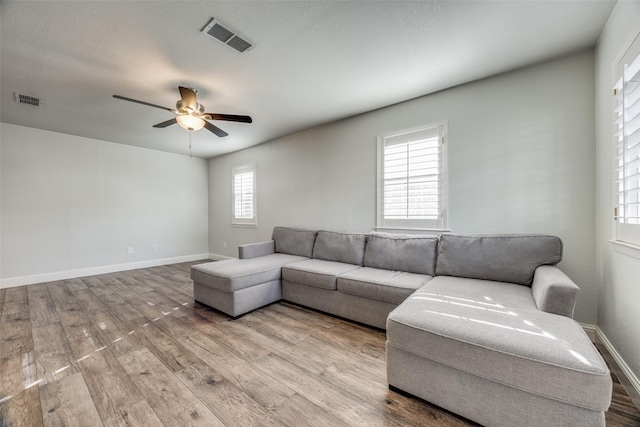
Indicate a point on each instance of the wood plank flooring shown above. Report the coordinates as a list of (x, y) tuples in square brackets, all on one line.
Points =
[(134, 349)]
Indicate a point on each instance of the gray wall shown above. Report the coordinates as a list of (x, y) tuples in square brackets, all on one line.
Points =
[(618, 266), (71, 203), (521, 159)]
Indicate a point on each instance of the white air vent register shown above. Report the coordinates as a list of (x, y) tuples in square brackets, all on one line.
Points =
[(26, 99), (222, 33)]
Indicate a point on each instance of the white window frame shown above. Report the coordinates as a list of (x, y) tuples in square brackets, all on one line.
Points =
[(410, 224), (238, 218), (626, 157)]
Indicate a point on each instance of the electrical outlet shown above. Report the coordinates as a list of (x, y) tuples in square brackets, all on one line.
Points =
[(224, 245), (130, 249), (154, 248)]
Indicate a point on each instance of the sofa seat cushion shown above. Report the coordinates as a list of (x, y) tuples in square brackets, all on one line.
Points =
[(537, 352), (381, 285), (235, 274), (481, 293), (316, 272)]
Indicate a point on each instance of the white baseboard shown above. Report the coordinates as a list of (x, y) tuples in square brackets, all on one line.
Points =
[(590, 330), (217, 257), (626, 376), (92, 271)]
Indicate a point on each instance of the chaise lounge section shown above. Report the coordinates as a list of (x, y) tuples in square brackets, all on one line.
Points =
[(238, 286), (479, 325), (478, 343)]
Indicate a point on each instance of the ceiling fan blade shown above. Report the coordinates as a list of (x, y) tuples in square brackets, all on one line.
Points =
[(228, 117), (189, 98), (165, 124), (143, 103), (215, 129)]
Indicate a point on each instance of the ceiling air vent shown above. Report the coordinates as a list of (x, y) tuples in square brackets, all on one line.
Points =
[(239, 44), (222, 33), (26, 99)]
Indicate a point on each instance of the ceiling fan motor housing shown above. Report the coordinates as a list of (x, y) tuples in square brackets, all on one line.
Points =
[(183, 108)]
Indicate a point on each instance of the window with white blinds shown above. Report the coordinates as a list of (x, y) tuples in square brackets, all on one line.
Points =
[(244, 195), (411, 179), (626, 155)]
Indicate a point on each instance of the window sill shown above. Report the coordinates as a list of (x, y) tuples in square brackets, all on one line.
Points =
[(412, 230), (244, 225), (626, 248)]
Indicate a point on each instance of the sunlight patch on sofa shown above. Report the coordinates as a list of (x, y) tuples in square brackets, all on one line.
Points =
[(542, 334)]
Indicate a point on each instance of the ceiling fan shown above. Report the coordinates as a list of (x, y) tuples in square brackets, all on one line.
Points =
[(190, 114)]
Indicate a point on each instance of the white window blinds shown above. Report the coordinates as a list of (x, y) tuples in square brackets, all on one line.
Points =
[(627, 147), (410, 179), (244, 195)]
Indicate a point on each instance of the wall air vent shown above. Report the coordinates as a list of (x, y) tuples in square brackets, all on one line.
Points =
[(222, 33), (26, 99)]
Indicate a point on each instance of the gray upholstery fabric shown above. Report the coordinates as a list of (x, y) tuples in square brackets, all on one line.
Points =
[(381, 285), (487, 402), (254, 250), (363, 310), (503, 258), (553, 291), (545, 354), (241, 301), (234, 274), (410, 253), (316, 272), (485, 293), (341, 247), (294, 241), (465, 340)]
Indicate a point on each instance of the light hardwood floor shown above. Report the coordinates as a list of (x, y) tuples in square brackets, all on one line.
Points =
[(132, 348)]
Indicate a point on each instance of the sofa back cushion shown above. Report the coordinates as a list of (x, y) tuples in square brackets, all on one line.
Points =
[(410, 253), (503, 258), (294, 241), (341, 247)]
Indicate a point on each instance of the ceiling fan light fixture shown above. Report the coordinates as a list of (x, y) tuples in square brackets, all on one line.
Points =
[(190, 122), (190, 115)]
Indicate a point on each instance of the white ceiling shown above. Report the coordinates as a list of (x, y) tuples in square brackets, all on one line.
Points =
[(313, 61)]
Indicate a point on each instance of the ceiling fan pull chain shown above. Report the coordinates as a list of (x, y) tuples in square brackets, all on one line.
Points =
[(190, 154)]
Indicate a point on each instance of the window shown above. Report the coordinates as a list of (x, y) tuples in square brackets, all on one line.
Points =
[(244, 195), (626, 155), (411, 178)]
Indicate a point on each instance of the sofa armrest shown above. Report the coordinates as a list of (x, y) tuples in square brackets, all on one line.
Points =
[(553, 291), (254, 250)]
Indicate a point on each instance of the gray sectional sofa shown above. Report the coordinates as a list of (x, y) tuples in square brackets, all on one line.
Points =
[(479, 325)]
